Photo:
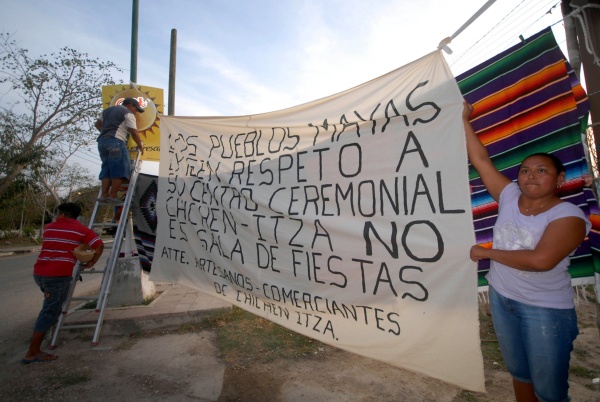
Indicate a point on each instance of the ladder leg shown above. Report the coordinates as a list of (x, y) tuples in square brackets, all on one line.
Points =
[(65, 308), (118, 242), (107, 277)]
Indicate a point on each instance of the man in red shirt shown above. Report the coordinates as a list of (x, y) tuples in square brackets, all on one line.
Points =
[(54, 269)]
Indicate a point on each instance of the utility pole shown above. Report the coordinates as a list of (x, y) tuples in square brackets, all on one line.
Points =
[(134, 40), (588, 37), (588, 34), (571, 37), (172, 72)]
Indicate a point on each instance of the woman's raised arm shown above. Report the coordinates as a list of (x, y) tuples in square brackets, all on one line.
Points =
[(493, 180)]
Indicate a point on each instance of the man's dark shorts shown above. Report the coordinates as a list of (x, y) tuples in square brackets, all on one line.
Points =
[(115, 158)]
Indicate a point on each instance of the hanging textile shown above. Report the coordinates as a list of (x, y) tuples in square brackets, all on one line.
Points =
[(143, 209), (527, 99)]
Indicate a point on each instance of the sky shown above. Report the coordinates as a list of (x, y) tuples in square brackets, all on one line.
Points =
[(239, 57)]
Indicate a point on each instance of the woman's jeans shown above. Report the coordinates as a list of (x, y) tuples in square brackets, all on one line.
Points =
[(536, 344)]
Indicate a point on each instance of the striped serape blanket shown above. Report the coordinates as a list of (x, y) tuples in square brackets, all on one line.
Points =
[(526, 100), (145, 218)]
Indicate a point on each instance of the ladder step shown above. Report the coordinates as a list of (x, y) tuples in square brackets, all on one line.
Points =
[(76, 326), (84, 298), (106, 224), (92, 271)]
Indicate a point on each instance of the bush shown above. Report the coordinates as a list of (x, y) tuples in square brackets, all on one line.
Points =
[(29, 231)]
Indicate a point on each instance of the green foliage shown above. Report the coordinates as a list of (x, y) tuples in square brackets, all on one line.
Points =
[(148, 300), (490, 348), (466, 396), (29, 231), (52, 103), (581, 354), (582, 372), (19, 205), (90, 305), (12, 125)]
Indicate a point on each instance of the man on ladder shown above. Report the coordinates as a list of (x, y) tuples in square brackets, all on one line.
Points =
[(115, 124)]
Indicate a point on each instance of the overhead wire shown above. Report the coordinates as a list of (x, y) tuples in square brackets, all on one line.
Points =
[(95, 162), (502, 35), (522, 24), (547, 12), (488, 32), (86, 152), (87, 156)]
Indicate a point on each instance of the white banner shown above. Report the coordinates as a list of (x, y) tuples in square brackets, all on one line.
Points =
[(347, 219)]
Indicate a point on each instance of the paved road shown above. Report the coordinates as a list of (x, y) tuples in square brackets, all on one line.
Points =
[(21, 299)]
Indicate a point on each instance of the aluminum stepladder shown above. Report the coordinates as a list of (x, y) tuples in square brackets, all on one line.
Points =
[(107, 273)]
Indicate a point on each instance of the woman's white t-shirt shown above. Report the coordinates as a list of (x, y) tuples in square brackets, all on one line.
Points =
[(515, 231)]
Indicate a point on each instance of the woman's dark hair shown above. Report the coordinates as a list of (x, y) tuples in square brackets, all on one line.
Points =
[(555, 161), (69, 209)]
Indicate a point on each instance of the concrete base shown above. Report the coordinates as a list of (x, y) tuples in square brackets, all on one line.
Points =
[(130, 284), (126, 289)]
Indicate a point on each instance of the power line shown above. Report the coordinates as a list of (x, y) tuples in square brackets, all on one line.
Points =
[(502, 35), (87, 160), (94, 156), (488, 32)]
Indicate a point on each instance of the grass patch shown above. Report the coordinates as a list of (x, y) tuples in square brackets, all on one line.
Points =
[(244, 338), (489, 344), (91, 305), (67, 379), (150, 299), (466, 396), (582, 372), (581, 354)]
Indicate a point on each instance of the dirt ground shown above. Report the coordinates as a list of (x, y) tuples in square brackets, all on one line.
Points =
[(167, 366)]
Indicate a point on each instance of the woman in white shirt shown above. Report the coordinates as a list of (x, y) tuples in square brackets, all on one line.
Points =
[(531, 296)]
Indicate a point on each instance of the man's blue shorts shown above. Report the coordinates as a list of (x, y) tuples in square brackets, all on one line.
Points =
[(115, 158), (536, 344), (56, 290)]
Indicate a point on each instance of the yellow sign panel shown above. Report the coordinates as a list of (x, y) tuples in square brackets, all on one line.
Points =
[(148, 123)]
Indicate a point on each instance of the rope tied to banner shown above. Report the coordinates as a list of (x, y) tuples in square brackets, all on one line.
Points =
[(445, 42)]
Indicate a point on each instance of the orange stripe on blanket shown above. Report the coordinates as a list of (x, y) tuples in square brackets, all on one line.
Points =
[(579, 93), (485, 208), (595, 220), (549, 74), (557, 106)]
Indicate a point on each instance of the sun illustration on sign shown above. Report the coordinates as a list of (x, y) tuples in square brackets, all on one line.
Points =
[(148, 123)]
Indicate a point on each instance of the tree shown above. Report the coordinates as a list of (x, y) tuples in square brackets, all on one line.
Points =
[(53, 102), (60, 179), (20, 205)]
